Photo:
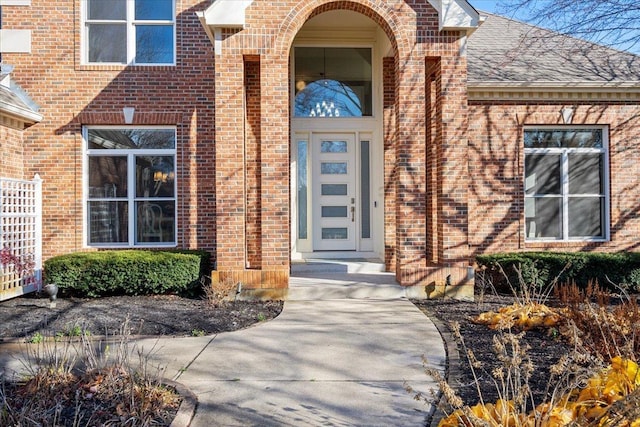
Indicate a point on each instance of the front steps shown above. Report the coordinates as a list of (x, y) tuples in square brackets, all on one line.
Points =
[(330, 279)]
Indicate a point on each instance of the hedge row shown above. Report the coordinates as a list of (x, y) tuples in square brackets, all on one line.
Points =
[(540, 268), (127, 272)]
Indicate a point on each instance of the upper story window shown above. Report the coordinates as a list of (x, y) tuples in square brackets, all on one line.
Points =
[(130, 186), (333, 82), (566, 184), (140, 32)]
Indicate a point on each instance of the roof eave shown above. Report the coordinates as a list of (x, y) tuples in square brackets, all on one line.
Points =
[(27, 117), (581, 92), (518, 86)]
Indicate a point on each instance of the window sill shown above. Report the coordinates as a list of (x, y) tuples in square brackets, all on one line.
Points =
[(578, 244), (149, 246), (122, 67)]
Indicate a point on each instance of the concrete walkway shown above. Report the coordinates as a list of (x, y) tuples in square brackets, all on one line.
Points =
[(339, 361), (339, 354)]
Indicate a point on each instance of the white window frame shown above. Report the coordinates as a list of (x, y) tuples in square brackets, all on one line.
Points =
[(564, 153), (131, 198), (130, 23)]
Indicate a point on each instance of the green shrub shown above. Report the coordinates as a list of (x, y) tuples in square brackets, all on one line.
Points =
[(127, 272), (539, 269)]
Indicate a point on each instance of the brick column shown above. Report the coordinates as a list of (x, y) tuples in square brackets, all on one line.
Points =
[(275, 171), (432, 187), (411, 166), (230, 167), (454, 164)]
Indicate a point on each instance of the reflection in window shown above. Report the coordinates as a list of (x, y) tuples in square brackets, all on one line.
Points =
[(333, 82), (565, 184), (335, 234), (334, 211), (333, 147), (365, 189), (327, 98), (333, 168), (565, 138), (131, 170), (334, 189), (117, 34), (302, 189)]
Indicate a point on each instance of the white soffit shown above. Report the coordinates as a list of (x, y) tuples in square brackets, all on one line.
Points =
[(222, 14), (226, 13), (456, 15)]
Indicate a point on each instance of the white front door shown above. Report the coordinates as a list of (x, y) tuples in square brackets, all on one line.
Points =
[(334, 192)]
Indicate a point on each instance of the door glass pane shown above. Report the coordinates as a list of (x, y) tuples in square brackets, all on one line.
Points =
[(108, 43), (585, 216), (107, 177), (154, 44), (542, 174), (334, 233), (154, 10), (107, 9), (108, 222), (333, 147), (334, 211), (585, 173), (333, 168), (365, 194), (543, 217), (155, 176), (155, 221), (302, 189), (334, 189), (333, 82)]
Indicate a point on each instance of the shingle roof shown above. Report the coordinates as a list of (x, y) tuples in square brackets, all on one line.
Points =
[(502, 50)]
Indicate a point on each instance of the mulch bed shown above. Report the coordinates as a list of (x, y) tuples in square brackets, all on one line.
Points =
[(145, 315), (30, 317), (544, 349)]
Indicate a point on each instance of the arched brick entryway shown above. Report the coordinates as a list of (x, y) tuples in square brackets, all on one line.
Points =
[(425, 120)]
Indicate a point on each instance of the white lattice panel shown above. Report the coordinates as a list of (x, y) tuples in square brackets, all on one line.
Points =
[(20, 236)]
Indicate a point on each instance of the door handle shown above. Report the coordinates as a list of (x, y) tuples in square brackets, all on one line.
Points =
[(353, 213)]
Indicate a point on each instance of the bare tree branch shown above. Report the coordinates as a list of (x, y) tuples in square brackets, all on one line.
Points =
[(614, 23)]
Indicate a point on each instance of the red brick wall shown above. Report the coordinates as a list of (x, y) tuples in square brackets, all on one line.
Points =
[(496, 170), (390, 171), (433, 120), (253, 157), (72, 95), (236, 104), (11, 153)]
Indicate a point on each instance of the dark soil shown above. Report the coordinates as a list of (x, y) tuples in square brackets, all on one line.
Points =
[(544, 348), (31, 318), (23, 317)]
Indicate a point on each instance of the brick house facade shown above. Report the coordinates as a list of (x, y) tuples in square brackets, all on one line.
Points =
[(213, 152)]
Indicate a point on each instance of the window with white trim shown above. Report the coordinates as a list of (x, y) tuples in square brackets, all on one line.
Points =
[(130, 186), (129, 32), (566, 184)]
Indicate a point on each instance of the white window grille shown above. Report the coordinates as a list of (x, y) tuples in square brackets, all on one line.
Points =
[(140, 32), (20, 237), (566, 183)]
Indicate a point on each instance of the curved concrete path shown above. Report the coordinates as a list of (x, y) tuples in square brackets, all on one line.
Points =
[(338, 360)]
